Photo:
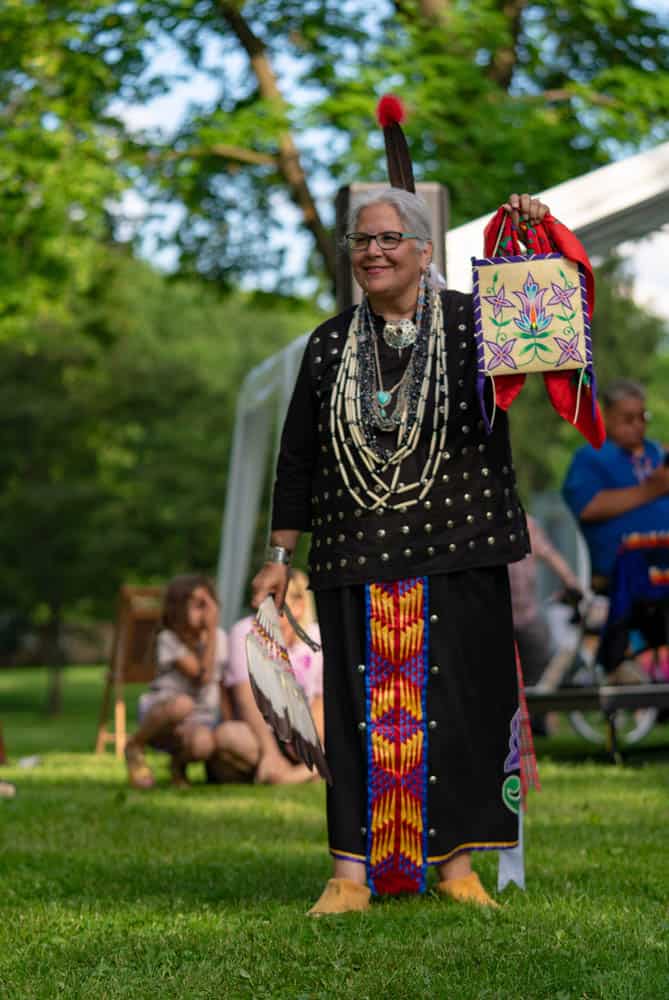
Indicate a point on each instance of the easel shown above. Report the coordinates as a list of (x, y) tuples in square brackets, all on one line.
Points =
[(131, 658)]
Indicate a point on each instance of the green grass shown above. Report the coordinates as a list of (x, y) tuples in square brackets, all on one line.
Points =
[(110, 893)]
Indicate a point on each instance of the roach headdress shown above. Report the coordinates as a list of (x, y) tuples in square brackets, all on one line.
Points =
[(390, 115)]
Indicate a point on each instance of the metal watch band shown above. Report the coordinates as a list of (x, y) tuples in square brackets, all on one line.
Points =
[(278, 554)]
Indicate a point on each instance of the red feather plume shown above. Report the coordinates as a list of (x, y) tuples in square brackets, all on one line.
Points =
[(390, 111)]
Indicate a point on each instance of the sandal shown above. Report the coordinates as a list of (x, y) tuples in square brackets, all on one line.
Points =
[(140, 774)]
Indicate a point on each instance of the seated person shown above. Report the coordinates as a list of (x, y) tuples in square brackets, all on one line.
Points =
[(274, 766), (621, 488), (530, 625), (181, 711)]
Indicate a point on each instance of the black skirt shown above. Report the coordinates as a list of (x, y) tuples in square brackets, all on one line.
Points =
[(465, 718)]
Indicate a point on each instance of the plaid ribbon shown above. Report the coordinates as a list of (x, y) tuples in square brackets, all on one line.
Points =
[(529, 775)]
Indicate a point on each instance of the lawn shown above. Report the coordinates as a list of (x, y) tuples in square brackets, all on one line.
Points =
[(111, 893)]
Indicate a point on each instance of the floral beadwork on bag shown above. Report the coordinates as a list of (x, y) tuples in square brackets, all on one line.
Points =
[(530, 314)]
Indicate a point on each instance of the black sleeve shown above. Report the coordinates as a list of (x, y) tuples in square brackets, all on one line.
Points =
[(291, 503)]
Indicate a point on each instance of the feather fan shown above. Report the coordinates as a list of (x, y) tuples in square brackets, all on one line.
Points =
[(279, 697)]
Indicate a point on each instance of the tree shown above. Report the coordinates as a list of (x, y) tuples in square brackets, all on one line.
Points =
[(60, 66), (503, 94), (115, 432)]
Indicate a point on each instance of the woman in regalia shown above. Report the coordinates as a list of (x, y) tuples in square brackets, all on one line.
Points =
[(414, 515)]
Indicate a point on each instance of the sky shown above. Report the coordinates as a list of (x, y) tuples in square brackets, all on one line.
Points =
[(646, 258)]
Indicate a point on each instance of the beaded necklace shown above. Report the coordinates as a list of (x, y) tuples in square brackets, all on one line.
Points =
[(370, 471)]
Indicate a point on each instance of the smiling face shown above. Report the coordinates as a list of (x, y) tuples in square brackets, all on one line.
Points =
[(390, 277)]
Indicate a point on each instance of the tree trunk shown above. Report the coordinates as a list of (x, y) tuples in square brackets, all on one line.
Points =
[(54, 657), (289, 162), (505, 58)]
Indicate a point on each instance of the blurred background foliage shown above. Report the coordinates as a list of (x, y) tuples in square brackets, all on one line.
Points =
[(118, 381)]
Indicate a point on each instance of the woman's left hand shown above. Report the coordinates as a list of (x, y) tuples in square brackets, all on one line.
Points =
[(523, 206)]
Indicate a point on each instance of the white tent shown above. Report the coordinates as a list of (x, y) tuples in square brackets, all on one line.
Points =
[(623, 201)]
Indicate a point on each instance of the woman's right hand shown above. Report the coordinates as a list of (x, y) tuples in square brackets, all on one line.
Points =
[(272, 579)]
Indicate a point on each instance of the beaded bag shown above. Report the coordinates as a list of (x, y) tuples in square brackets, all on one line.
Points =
[(532, 313)]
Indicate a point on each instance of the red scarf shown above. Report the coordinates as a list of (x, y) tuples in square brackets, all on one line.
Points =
[(562, 387)]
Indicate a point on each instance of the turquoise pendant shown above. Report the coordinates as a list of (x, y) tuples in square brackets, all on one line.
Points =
[(383, 397)]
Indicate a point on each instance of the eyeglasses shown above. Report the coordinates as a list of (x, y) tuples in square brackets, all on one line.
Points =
[(386, 241)]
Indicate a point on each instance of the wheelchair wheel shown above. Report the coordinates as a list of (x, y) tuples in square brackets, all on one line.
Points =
[(631, 726)]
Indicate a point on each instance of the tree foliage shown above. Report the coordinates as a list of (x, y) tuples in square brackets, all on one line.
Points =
[(115, 431), (503, 94)]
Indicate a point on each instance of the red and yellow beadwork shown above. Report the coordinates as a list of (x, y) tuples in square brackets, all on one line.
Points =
[(396, 735)]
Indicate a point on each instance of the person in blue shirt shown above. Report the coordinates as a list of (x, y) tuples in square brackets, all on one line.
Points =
[(621, 488)]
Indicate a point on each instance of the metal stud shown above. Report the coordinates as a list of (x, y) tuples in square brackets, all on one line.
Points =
[(448, 502), (512, 537), (489, 515), (381, 533), (361, 668), (328, 565), (450, 524), (491, 539), (462, 326), (487, 493), (471, 544), (360, 535), (362, 726), (361, 560), (463, 344), (434, 618), (451, 547), (445, 477), (430, 550), (363, 831), (485, 472), (432, 724), (343, 563), (434, 669), (465, 429), (432, 779), (318, 359), (465, 475), (463, 405), (468, 497), (428, 528), (384, 557), (427, 505), (470, 519), (481, 448), (357, 512), (341, 538), (405, 529), (432, 832)]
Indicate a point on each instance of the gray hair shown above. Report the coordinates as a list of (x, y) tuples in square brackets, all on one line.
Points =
[(411, 209), (622, 388), (414, 215)]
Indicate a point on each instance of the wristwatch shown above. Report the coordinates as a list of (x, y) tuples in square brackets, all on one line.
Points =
[(278, 554)]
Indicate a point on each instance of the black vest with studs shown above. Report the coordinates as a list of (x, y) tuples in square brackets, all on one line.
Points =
[(472, 516)]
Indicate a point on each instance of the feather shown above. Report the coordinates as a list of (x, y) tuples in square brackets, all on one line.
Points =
[(279, 697), (390, 114)]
